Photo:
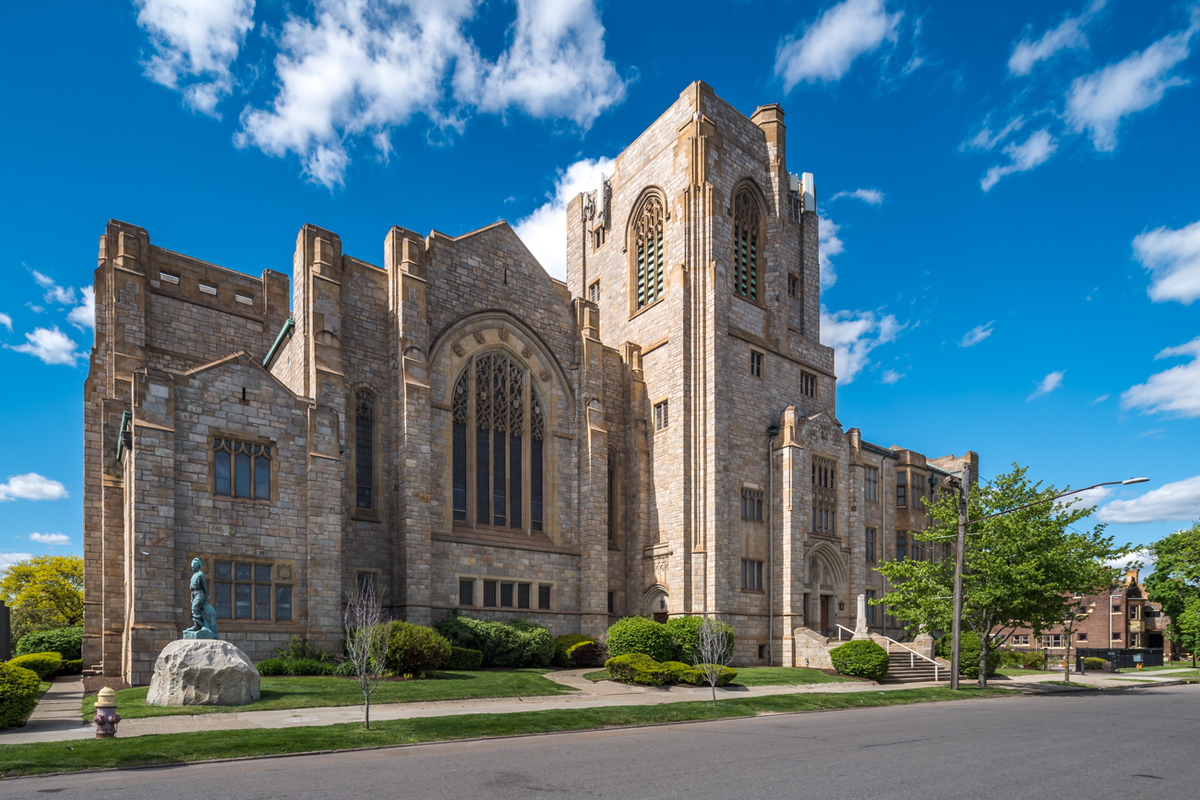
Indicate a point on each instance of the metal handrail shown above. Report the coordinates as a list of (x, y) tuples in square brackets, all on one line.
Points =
[(913, 655)]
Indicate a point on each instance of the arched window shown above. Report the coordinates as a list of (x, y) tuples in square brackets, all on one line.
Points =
[(491, 402), (364, 450), (745, 246), (648, 232)]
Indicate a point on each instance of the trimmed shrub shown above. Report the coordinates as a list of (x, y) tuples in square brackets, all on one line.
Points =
[(299, 648), (675, 671), (862, 658), (518, 643), (306, 666), (968, 656), (641, 635), (415, 649), (42, 664), (587, 654), (535, 643), (724, 677), (564, 643), (685, 633), (1032, 660), (463, 658), (637, 668), (67, 642), (18, 693), (270, 667), (1094, 663), (72, 667)]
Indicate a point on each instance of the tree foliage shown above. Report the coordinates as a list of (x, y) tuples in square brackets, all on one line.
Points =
[(45, 592), (1175, 584), (1021, 568)]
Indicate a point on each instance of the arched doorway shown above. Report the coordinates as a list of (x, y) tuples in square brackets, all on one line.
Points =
[(825, 591), (657, 602)]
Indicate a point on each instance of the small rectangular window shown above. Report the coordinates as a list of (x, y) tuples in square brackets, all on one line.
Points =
[(466, 591), (594, 292), (762, 652), (752, 576), (489, 594), (752, 505), (756, 362), (241, 469), (1116, 609), (366, 581), (1082, 637), (611, 602), (522, 595), (793, 285), (506, 595), (808, 384), (1116, 636), (544, 597), (901, 489), (871, 547), (283, 603), (870, 608), (871, 484), (661, 415)]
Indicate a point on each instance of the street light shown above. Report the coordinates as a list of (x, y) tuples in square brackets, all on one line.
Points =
[(964, 486)]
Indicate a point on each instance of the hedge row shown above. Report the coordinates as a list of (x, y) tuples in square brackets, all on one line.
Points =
[(516, 643), (67, 642), (42, 664), (18, 693), (642, 669), (1018, 659), (677, 639)]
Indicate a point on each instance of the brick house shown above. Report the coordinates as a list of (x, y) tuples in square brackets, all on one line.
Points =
[(655, 435)]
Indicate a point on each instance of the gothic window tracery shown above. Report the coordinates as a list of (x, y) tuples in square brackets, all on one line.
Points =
[(745, 246), (489, 424), (648, 233)]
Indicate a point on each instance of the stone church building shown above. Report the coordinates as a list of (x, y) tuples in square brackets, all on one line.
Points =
[(657, 435)]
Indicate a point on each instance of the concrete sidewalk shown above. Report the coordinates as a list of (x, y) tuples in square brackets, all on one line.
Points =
[(62, 722)]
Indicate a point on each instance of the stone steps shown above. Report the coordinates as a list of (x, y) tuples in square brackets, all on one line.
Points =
[(905, 668)]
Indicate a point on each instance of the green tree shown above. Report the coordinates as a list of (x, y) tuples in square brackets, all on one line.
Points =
[(1021, 568), (1175, 584), (45, 592)]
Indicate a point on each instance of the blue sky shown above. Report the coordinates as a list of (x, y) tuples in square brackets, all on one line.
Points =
[(1011, 226)]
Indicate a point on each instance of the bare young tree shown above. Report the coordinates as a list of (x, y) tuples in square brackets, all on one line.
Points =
[(366, 641), (714, 650)]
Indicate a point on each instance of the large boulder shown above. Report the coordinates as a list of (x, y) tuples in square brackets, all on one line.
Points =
[(203, 672)]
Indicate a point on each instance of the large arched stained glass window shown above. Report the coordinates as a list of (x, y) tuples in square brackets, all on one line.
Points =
[(745, 246), (497, 451), (649, 248)]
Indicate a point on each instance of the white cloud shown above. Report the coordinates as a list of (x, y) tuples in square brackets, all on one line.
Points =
[(84, 315), (829, 46), (1175, 391), (1066, 35), (872, 197), (8, 559), (1173, 259), (1025, 156), (828, 245), (1099, 399), (50, 345), (6, 321), (890, 376), (986, 140), (1174, 501), (1087, 498), (544, 231), (31, 486), (853, 335), (50, 538), (1097, 103), (195, 44), (1048, 384), (1141, 557), (555, 66), (977, 335), (54, 292), (360, 68)]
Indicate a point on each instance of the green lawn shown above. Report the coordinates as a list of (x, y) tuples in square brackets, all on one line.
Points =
[(286, 692), (27, 759), (1014, 672), (1134, 680), (763, 676)]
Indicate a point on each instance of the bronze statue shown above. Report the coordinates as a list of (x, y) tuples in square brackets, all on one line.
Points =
[(204, 616)]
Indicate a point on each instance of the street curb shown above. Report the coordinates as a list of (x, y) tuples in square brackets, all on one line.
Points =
[(487, 738)]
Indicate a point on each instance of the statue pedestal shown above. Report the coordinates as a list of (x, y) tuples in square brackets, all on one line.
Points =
[(205, 672), (200, 634)]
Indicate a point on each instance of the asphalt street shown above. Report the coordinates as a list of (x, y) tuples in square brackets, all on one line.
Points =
[(1117, 744)]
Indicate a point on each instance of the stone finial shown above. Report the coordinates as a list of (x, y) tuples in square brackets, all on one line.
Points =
[(860, 624)]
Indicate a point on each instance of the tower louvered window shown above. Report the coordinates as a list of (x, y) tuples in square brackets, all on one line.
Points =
[(364, 450), (745, 246), (824, 496), (649, 248), (490, 405)]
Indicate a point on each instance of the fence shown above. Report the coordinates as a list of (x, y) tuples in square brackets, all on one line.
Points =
[(1121, 658)]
